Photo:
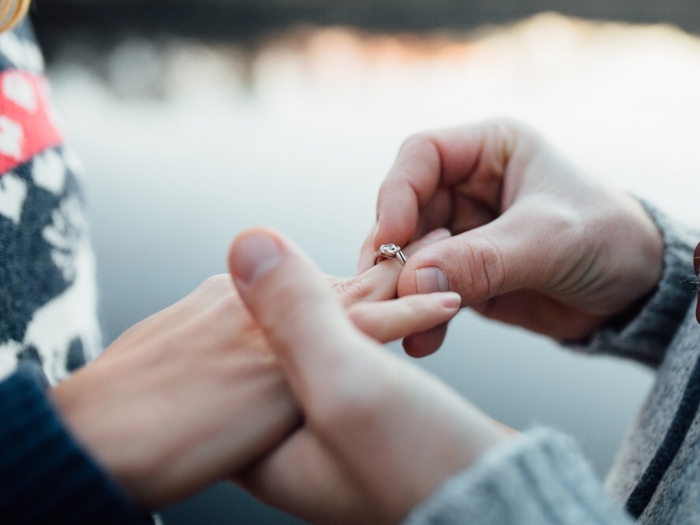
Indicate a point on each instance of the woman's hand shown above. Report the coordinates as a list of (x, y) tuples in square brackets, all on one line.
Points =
[(193, 394), (181, 399), (535, 244), (379, 434)]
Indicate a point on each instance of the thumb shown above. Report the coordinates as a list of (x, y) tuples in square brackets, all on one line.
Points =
[(513, 252), (292, 303)]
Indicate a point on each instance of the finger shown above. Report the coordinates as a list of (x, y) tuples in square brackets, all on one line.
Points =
[(303, 478), (362, 402), (299, 315), (470, 213), (436, 213), (429, 160), (367, 252), (425, 343), (521, 249), (390, 320), (379, 282)]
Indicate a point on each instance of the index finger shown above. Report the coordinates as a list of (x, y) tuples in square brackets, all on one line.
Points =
[(429, 160), (411, 182)]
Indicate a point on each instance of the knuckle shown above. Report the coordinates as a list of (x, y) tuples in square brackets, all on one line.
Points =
[(508, 134), (213, 288), (353, 290), (220, 281), (417, 140), (219, 293), (508, 127), (483, 265)]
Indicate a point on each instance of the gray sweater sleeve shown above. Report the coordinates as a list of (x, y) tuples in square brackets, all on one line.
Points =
[(646, 337), (537, 478)]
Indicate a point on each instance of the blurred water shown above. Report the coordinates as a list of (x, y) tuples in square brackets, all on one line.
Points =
[(186, 145)]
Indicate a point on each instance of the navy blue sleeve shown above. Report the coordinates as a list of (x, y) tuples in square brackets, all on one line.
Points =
[(45, 476)]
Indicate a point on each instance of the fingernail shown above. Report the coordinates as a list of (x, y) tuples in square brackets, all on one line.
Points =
[(253, 256), (449, 300), (376, 232), (431, 279), (436, 235)]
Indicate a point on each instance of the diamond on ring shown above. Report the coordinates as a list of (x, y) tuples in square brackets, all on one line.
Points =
[(390, 251)]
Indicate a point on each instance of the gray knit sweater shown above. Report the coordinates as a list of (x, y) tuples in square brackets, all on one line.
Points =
[(541, 478)]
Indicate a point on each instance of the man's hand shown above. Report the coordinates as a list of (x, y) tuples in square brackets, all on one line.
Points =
[(379, 434), (193, 393), (535, 243)]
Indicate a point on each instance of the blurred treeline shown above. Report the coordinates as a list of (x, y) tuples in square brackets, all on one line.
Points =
[(244, 21)]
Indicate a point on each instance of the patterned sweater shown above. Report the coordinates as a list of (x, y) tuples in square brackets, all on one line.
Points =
[(47, 268), (48, 321)]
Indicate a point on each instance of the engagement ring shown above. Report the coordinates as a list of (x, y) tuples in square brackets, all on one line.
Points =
[(390, 251)]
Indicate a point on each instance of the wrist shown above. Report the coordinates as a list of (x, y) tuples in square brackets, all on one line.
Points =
[(645, 260), (92, 424), (629, 249)]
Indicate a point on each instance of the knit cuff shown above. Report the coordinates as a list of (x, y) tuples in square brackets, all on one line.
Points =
[(646, 337), (45, 477), (537, 478)]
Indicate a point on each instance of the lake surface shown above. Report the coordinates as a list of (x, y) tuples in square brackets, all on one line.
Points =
[(186, 145)]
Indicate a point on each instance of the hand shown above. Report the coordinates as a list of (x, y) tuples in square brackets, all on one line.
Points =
[(536, 243), (193, 393), (379, 435), (181, 399)]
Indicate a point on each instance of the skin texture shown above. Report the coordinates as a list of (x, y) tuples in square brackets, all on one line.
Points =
[(379, 434), (534, 243), (194, 394)]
